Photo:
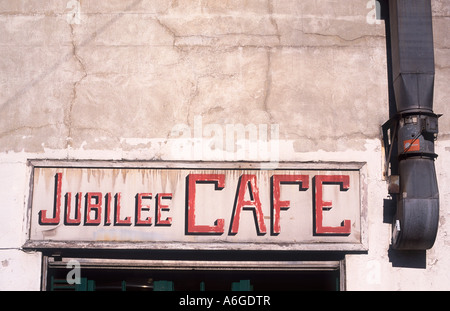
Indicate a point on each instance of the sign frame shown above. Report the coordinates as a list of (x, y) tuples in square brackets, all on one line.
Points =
[(361, 167)]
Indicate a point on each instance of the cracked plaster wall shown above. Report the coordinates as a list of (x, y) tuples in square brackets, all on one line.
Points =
[(133, 69), (114, 85)]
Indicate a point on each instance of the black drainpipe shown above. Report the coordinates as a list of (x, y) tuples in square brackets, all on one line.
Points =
[(414, 127)]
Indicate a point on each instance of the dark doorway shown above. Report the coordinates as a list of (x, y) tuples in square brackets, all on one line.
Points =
[(104, 279)]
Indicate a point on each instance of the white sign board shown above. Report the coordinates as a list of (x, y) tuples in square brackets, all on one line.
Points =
[(185, 207)]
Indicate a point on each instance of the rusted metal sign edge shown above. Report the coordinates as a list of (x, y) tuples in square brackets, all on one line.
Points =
[(308, 165), (42, 245)]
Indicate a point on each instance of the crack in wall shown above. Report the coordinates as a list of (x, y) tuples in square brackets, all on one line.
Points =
[(268, 86), (272, 20), (195, 87), (193, 94), (31, 128), (342, 38), (76, 56), (168, 30)]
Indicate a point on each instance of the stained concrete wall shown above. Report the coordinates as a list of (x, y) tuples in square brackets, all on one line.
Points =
[(147, 79)]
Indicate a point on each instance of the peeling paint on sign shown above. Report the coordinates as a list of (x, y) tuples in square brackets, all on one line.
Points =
[(224, 207)]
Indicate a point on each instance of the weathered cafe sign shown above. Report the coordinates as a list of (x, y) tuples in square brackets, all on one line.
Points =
[(185, 207)]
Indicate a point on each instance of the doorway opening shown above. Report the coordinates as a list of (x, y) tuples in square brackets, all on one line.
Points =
[(89, 274)]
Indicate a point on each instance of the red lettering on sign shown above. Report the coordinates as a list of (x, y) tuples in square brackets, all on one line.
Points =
[(77, 220), (277, 204), (321, 205), (43, 220), (139, 208), (118, 221), (160, 207), (108, 209), (199, 187), (191, 226), (248, 182), (93, 207)]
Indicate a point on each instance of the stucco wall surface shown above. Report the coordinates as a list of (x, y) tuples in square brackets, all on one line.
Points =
[(202, 80)]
